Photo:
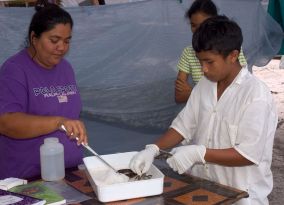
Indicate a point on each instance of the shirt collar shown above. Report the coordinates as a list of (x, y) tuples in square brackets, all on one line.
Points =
[(241, 76)]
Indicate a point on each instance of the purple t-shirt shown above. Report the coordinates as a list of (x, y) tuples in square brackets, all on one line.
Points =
[(27, 87)]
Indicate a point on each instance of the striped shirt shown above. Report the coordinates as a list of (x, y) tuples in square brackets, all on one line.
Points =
[(190, 64)]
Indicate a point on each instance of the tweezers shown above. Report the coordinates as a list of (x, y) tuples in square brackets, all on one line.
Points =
[(164, 154)]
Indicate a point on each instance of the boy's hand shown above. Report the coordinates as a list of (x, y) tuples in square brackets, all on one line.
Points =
[(185, 156), (142, 161)]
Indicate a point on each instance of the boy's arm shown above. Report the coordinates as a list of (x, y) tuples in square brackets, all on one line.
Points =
[(226, 157), (142, 161), (184, 157), (170, 139)]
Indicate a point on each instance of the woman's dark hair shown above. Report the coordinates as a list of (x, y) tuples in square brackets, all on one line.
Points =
[(47, 16), (204, 6), (218, 34)]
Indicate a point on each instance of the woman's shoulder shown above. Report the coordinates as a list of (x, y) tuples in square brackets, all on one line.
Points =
[(15, 61), (65, 65), (65, 68), (65, 62), (19, 56)]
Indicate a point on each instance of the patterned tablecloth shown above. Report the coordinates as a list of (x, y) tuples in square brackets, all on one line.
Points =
[(178, 190)]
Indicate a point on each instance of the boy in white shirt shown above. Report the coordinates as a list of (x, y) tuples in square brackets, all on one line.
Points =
[(228, 124)]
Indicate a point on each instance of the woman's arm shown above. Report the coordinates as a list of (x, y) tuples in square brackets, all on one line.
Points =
[(24, 126)]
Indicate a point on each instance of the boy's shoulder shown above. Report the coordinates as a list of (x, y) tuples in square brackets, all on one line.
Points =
[(253, 87)]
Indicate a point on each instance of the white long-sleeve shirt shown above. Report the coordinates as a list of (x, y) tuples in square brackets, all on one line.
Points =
[(244, 118)]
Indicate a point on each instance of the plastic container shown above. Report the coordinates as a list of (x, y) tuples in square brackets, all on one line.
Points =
[(52, 160), (124, 190)]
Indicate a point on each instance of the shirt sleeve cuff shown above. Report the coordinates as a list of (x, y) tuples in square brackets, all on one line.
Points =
[(246, 156)]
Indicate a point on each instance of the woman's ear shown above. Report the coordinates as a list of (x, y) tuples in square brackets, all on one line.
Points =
[(32, 37)]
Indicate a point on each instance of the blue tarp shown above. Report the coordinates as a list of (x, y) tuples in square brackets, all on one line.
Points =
[(125, 55)]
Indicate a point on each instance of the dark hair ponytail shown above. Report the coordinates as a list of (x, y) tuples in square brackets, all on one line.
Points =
[(47, 16), (41, 4)]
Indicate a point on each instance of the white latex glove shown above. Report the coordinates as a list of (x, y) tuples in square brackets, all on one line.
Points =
[(185, 156), (141, 162)]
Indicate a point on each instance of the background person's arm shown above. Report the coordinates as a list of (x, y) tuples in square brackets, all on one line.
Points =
[(182, 87)]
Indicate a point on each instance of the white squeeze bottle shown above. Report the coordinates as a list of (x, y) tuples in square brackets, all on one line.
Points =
[(52, 159)]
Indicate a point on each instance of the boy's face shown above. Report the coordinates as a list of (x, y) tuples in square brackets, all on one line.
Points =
[(216, 67)]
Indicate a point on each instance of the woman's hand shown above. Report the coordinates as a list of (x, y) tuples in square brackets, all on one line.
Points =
[(75, 129)]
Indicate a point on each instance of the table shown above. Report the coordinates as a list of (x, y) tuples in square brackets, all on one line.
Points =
[(178, 190)]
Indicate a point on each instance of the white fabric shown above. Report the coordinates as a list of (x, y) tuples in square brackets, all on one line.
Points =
[(142, 161), (109, 176), (185, 156), (244, 118)]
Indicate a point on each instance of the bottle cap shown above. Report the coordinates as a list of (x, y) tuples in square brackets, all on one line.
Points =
[(51, 140)]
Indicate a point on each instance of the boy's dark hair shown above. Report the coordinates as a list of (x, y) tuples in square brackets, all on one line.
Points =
[(47, 16), (204, 6), (218, 34)]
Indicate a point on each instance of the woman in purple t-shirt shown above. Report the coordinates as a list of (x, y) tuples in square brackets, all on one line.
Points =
[(38, 94)]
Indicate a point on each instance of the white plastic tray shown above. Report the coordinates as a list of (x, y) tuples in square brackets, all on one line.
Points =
[(125, 190)]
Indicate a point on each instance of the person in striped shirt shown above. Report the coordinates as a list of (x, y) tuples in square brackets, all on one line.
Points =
[(189, 65)]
